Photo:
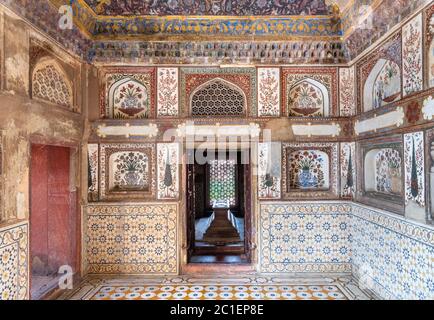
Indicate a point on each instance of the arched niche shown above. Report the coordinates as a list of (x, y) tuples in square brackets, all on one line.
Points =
[(218, 97), (128, 99), (129, 171), (309, 170), (383, 172), (383, 85), (50, 83), (308, 98)]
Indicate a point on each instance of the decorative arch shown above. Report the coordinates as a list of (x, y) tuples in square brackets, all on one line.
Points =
[(129, 99), (308, 98), (218, 97), (50, 83), (383, 85)]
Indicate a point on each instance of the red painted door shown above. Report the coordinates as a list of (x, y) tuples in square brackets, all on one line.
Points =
[(53, 217)]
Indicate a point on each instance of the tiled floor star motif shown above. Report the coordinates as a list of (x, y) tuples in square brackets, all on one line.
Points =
[(219, 292)]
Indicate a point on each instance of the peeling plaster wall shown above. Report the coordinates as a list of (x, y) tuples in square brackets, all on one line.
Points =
[(24, 121)]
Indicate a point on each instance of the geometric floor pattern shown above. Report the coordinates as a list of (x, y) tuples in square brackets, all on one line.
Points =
[(216, 292), (224, 287)]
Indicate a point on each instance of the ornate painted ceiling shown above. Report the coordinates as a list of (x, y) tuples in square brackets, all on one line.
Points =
[(208, 7), (195, 20)]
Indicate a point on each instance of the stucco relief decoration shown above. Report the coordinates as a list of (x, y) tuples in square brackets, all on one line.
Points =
[(93, 175), (348, 169), (310, 92), (347, 90), (127, 171), (168, 96), (269, 170), (428, 108), (50, 83), (129, 95), (268, 92), (414, 160), (381, 75), (168, 159), (412, 56)]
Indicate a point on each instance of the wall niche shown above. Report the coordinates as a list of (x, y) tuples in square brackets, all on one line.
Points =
[(310, 170), (383, 173), (127, 171)]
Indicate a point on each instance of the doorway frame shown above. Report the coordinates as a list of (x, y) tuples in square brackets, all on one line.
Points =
[(187, 268), (75, 174)]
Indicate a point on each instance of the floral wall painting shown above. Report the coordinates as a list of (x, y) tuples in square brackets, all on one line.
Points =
[(347, 92), (92, 175), (414, 160), (310, 92), (383, 171), (168, 170), (380, 75), (308, 169), (412, 56), (128, 95), (268, 92), (348, 169), (127, 171), (167, 92), (269, 170), (383, 85), (430, 44), (128, 99), (308, 98)]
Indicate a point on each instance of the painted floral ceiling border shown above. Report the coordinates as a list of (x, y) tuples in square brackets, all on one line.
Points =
[(201, 27), (210, 7)]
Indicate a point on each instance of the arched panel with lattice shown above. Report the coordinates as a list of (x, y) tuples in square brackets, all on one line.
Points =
[(218, 98), (50, 83)]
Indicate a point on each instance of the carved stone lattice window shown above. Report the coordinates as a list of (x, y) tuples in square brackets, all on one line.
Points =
[(222, 181), (218, 98), (50, 84)]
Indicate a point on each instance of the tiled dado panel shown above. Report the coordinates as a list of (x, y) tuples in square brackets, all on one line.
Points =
[(305, 237), (132, 239), (14, 278), (392, 256)]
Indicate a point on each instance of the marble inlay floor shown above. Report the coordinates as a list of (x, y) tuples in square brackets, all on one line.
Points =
[(249, 287)]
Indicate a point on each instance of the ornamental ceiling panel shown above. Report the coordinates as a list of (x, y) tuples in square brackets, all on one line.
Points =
[(207, 7)]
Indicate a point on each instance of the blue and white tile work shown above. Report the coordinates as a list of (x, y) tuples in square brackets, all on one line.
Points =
[(305, 237), (14, 276), (391, 256)]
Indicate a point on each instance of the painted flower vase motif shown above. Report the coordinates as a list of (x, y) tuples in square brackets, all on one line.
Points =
[(306, 179), (132, 179), (395, 180)]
